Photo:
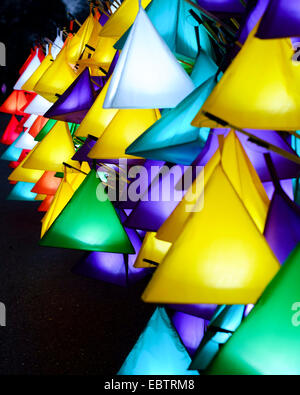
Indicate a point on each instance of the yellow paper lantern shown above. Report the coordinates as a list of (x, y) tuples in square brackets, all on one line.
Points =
[(218, 254), (259, 90)]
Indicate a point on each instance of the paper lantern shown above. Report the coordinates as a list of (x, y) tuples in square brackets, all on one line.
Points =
[(158, 350), (147, 74), (267, 343), (228, 259), (125, 127), (76, 45), (55, 148), (75, 102), (243, 178), (266, 99), (173, 138), (87, 223)]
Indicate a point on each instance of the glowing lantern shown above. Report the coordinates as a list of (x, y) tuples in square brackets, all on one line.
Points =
[(37, 126), (147, 74), (75, 102), (266, 99), (172, 138), (228, 259), (158, 350), (95, 227)]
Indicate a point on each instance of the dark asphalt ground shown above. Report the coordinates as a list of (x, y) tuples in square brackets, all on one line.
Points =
[(57, 322)]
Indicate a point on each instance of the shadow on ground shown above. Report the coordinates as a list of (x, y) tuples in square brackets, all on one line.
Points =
[(57, 322)]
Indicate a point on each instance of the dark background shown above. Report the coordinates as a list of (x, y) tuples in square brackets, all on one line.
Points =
[(57, 322)]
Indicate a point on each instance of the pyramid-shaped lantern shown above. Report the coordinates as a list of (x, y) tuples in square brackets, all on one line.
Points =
[(173, 138), (147, 74), (158, 350), (74, 104), (89, 222), (228, 259), (266, 99)]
